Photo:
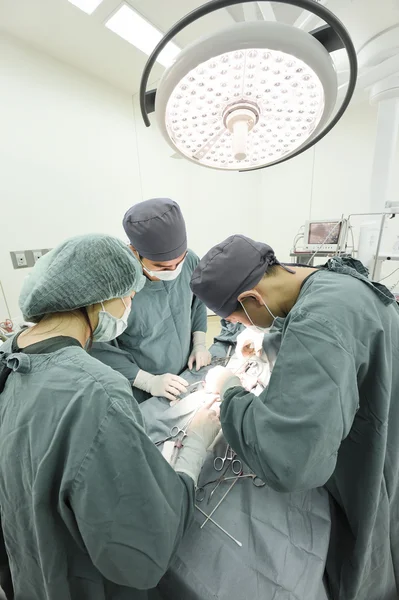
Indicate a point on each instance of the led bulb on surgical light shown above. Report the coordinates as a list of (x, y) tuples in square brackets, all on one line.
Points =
[(255, 103)]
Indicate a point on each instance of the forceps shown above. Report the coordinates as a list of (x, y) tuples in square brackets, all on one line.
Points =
[(236, 465), (193, 385), (176, 430), (256, 481), (200, 493)]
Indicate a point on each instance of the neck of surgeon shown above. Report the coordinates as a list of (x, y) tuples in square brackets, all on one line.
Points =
[(274, 296)]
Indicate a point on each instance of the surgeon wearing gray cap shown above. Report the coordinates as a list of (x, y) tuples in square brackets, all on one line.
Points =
[(330, 414), (167, 331), (90, 509)]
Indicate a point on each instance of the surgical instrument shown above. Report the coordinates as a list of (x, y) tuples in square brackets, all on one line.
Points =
[(256, 481), (176, 430), (193, 385), (222, 360), (219, 462), (218, 526), (218, 504), (200, 493)]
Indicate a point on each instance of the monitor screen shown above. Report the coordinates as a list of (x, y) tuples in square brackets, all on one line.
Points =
[(324, 233)]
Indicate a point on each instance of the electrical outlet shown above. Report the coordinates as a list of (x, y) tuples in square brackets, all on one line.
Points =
[(37, 254), (28, 258), (19, 260)]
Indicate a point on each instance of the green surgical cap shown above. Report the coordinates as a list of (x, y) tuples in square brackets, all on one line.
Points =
[(81, 271)]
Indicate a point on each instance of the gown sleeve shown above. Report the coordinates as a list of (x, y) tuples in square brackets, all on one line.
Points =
[(130, 506), (5, 572), (291, 433), (199, 316), (110, 354)]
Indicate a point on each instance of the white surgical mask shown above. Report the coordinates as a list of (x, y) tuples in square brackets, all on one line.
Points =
[(166, 275), (261, 329), (110, 327)]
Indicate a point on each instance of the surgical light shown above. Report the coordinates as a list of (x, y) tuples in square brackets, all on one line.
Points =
[(252, 95), (260, 100)]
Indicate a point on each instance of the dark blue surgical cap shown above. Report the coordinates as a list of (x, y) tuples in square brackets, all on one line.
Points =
[(156, 229), (229, 269)]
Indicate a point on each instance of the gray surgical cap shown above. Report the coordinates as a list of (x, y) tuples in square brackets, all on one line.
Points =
[(156, 229), (229, 269), (79, 272)]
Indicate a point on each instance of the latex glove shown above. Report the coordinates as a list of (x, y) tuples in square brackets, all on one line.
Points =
[(199, 354), (206, 424), (202, 432), (217, 378), (167, 386), (249, 343)]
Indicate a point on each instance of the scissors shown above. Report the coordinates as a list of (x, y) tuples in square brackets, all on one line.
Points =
[(236, 464)]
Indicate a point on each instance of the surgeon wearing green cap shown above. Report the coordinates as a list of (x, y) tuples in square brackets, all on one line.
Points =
[(330, 414), (167, 332), (90, 509)]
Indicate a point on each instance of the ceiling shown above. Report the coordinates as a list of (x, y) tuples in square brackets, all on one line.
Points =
[(63, 31)]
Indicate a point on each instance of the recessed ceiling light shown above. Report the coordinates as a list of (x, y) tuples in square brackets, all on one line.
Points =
[(88, 6), (136, 30)]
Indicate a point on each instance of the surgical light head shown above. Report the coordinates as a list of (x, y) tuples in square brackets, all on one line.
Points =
[(252, 95)]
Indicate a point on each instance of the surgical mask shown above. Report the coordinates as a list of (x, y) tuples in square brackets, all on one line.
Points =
[(166, 275), (261, 329), (110, 327)]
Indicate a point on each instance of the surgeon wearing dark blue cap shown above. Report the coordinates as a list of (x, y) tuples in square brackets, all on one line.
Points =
[(330, 414), (167, 331)]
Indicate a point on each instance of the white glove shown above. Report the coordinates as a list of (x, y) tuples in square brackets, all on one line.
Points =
[(217, 378), (167, 386), (249, 343), (199, 354), (201, 434)]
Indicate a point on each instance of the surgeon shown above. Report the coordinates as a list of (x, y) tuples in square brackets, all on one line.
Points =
[(90, 510), (330, 414), (167, 332)]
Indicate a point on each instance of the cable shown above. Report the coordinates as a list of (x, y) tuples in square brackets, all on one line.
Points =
[(353, 237), (5, 300), (296, 240), (137, 148), (297, 237), (394, 286), (312, 183), (324, 241), (386, 276)]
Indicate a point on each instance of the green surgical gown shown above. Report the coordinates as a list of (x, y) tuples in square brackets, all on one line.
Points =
[(90, 510), (330, 417), (158, 338)]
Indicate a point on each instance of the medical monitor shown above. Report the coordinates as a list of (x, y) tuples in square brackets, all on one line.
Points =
[(324, 235)]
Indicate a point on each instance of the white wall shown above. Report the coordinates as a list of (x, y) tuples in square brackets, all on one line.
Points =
[(68, 157), (328, 180), (74, 155), (69, 162)]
